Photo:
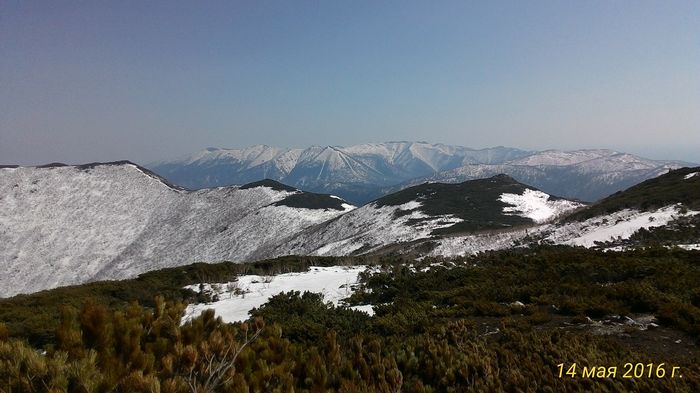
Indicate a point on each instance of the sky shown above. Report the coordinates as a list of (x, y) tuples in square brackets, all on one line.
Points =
[(150, 80)]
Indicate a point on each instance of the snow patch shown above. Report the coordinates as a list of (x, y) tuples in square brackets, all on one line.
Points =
[(412, 205), (347, 207), (342, 247), (237, 298), (536, 205), (689, 246), (688, 176), (365, 308)]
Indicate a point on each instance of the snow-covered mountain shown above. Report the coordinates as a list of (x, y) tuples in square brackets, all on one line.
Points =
[(62, 225), (357, 173), (362, 173), (587, 175)]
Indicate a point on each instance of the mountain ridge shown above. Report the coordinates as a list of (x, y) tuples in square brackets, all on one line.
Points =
[(69, 224), (364, 172), (62, 225)]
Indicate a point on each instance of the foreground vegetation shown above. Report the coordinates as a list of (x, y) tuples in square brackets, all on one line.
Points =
[(500, 321), (35, 316)]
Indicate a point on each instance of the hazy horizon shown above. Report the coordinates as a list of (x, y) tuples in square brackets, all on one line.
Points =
[(152, 81)]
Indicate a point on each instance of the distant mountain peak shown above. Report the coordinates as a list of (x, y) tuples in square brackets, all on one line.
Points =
[(361, 173)]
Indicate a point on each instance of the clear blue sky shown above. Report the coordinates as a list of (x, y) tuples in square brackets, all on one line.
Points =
[(144, 80)]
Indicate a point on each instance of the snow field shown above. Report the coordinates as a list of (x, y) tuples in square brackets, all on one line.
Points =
[(237, 298)]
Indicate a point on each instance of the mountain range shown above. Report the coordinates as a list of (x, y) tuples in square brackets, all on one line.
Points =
[(63, 225), (362, 173)]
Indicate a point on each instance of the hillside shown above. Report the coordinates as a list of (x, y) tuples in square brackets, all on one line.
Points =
[(63, 225), (660, 211), (493, 203), (676, 186), (426, 211)]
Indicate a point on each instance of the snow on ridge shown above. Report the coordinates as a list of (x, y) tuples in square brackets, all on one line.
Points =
[(536, 205), (237, 298), (688, 176), (562, 158), (346, 206)]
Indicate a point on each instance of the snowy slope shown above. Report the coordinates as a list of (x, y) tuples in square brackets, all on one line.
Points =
[(366, 229), (68, 225), (619, 225), (605, 228), (562, 158)]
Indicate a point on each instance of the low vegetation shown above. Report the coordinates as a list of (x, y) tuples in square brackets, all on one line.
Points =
[(34, 316), (568, 281), (310, 200), (275, 185), (496, 322)]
